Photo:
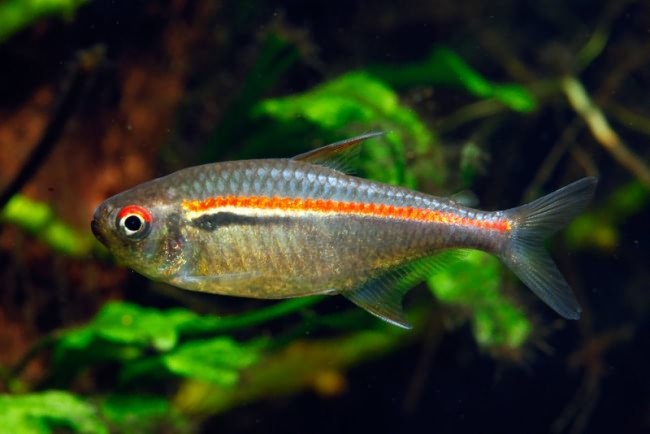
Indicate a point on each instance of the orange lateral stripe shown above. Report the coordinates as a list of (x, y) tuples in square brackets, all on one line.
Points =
[(334, 206)]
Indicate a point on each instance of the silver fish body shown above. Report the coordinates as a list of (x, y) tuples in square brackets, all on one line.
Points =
[(291, 227)]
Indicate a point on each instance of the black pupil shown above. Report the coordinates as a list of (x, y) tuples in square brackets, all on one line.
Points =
[(133, 223)]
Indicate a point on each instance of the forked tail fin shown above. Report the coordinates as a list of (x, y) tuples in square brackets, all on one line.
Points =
[(524, 252)]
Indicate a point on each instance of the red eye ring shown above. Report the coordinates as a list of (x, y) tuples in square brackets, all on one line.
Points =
[(134, 221), (134, 209)]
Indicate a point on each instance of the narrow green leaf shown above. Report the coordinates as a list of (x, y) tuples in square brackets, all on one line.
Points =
[(38, 219), (445, 67)]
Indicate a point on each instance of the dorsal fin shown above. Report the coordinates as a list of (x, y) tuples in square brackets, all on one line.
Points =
[(465, 198), (339, 155), (382, 295)]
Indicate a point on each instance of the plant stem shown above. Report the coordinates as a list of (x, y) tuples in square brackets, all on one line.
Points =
[(266, 314)]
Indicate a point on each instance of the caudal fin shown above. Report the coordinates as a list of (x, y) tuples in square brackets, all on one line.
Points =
[(525, 255)]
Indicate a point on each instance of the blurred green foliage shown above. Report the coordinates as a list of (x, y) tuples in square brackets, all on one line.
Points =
[(475, 283), (41, 413), (351, 104), (15, 15), (217, 360), (136, 414), (600, 228), (38, 218), (140, 327), (60, 411), (151, 343), (445, 67)]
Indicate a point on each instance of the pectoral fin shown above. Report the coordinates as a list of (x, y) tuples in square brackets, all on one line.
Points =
[(382, 301)]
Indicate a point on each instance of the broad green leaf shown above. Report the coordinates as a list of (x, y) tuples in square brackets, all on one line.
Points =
[(128, 324), (124, 333), (353, 97), (475, 283), (41, 413), (216, 360), (351, 104)]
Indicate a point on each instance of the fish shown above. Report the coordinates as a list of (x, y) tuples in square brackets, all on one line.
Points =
[(301, 226)]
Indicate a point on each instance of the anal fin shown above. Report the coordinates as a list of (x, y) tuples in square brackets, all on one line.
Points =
[(382, 295)]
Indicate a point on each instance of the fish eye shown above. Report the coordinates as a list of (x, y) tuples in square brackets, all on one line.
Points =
[(134, 221)]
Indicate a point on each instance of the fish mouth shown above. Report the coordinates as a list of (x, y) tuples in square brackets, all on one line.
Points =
[(94, 227)]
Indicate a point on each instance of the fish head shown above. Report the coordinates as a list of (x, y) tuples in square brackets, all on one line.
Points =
[(142, 230)]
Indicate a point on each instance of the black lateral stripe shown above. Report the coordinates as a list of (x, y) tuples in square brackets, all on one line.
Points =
[(212, 222)]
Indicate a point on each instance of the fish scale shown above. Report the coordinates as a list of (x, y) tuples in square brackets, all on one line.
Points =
[(279, 228), (286, 178)]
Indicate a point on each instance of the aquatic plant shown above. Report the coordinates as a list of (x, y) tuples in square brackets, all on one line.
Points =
[(16, 15), (39, 219)]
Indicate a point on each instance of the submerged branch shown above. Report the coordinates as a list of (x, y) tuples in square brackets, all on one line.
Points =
[(46, 342), (593, 116), (632, 120), (560, 147), (316, 364)]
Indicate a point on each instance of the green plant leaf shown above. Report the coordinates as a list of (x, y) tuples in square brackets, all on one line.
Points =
[(44, 412), (475, 283), (350, 104), (15, 15), (134, 414), (129, 324), (216, 360), (125, 333), (39, 219), (445, 67), (139, 328), (599, 227)]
